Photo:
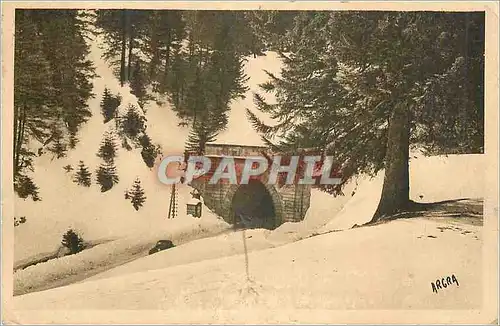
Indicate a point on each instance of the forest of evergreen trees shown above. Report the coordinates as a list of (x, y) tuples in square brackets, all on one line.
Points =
[(52, 83), (194, 57), (364, 87)]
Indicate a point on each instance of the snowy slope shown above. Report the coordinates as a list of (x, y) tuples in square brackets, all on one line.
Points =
[(327, 213), (314, 273), (94, 214), (432, 179), (108, 215), (363, 268)]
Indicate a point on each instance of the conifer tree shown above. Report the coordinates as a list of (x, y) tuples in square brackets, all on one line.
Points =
[(106, 176), (58, 146), (82, 175), (364, 86), (108, 148), (198, 137), (25, 187), (73, 241), (138, 84), (149, 151), (109, 105), (136, 195), (51, 88), (132, 123)]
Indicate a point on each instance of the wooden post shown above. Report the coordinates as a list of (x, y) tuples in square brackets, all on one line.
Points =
[(172, 210)]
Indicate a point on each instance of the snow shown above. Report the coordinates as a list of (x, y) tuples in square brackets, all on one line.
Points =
[(220, 256), (239, 130), (322, 272), (108, 215), (113, 253), (432, 179)]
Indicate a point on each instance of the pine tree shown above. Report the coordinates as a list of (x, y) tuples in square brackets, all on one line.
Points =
[(113, 28), (82, 175), (106, 176), (132, 123), (198, 137), (109, 105), (59, 146), (51, 88), (122, 29), (108, 148), (25, 187), (136, 195), (364, 86), (149, 151), (138, 84), (73, 241), (72, 71), (163, 31)]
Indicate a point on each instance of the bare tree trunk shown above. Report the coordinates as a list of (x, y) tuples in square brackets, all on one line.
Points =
[(130, 48), (153, 65), (124, 44), (396, 189), (16, 137), (19, 141), (167, 56)]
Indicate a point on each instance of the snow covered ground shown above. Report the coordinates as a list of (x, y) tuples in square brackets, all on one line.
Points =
[(432, 179), (326, 214), (361, 268)]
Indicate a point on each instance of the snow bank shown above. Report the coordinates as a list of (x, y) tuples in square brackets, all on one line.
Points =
[(438, 178), (229, 243), (323, 272), (432, 179), (326, 213), (323, 208), (73, 268)]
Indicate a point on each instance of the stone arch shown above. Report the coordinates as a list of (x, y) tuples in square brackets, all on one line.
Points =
[(273, 193)]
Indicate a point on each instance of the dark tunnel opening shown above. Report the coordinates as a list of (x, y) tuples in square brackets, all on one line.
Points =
[(252, 207)]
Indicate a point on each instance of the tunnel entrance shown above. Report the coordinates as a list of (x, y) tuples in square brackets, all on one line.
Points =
[(252, 206)]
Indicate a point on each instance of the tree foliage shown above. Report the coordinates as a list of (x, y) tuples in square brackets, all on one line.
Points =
[(109, 105), (365, 86), (136, 195), (107, 150), (51, 88), (82, 175), (73, 241), (106, 176)]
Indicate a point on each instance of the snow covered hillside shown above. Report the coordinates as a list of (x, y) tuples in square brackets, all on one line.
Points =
[(103, 216), (106, 220), (323, 272), (94, 214)]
